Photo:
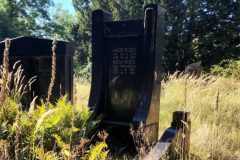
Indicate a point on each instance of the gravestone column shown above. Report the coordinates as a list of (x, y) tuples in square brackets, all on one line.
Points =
[(149, 107), (98, 83)]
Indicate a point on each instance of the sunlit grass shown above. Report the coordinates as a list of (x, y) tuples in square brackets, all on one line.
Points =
[(81, 91), (214, 104)]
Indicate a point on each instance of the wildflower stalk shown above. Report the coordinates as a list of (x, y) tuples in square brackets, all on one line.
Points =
[(5, 74), (53, 70), (139, 137), (72, 127), (4, 150), (17, 136), (217, 109), (5, 71)]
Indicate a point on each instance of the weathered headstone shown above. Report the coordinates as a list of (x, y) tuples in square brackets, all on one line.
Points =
[(126, 70), (193, 69), (35, 55)]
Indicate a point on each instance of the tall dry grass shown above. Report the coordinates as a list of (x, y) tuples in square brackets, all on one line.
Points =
[(81, 91), (214, 104)]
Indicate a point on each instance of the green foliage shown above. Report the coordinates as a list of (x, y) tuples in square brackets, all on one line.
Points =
[(46, 125), (196, 30), (33, 18), (217, 31), (98, 151), (25, 17), (65, 148), (42, 155), (81, 31), (62, 23), (84, 72), (7, 29), (227, 68)]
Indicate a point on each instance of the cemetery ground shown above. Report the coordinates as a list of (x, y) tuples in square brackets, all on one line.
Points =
[(66, 131), (214, 105)]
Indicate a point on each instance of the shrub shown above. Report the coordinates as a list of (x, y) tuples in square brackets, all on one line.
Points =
[(227, 68)]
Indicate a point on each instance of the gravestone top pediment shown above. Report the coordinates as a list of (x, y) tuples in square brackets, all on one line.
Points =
[(126, 68), (29, 46)]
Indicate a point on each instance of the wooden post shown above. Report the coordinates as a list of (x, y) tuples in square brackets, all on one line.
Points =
[(175, 141), (181, 143)]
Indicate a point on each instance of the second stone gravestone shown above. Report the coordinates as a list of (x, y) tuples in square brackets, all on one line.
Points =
[(35, 55), (126, 70)]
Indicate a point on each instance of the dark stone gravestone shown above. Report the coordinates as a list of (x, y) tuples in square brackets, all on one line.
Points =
[(126, 70), (35, 55)]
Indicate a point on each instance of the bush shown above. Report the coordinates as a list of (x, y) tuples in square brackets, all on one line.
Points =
[(227, 68)]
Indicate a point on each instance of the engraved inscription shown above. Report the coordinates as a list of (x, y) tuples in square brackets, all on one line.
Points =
[(124, 61)]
